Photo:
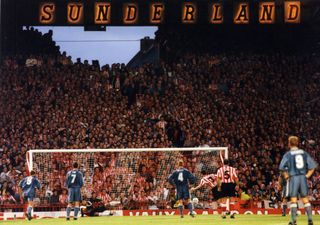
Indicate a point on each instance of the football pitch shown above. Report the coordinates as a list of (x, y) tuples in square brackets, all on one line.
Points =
[(167, 220)]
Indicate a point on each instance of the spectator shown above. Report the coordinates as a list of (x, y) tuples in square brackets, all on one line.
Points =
[(63, 198), (54, 198)]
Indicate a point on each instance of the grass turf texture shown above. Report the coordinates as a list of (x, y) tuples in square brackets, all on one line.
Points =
[(167, 220)]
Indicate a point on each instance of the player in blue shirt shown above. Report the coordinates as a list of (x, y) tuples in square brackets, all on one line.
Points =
[(29, 185), (74, 182), (297, 166), (181, 178)]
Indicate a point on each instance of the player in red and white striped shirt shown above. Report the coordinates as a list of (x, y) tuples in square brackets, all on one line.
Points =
[(211, 181), (227, 181), (227, 174)]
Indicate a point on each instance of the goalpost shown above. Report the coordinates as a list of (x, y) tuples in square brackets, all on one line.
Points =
[(129, 178)]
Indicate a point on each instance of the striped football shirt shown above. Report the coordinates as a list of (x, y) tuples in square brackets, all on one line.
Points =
[(227, 174), (210, 180)]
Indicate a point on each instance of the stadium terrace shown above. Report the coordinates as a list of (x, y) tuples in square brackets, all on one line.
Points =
[(157, 13)]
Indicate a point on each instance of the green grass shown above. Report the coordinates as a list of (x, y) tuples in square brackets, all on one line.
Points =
[(170, 220)]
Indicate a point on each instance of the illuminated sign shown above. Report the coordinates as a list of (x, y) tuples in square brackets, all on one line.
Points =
[(102, 13), (189, 13), (158, 12), (292, 12), (216, 15), (75, 13), (241, 13), (267, 12), (47, 13), (130, 13)]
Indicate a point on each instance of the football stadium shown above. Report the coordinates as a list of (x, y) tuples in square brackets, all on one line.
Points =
[(160, 112)]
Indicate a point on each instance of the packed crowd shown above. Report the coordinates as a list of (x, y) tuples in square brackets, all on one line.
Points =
[(247, 102), (27, 41)]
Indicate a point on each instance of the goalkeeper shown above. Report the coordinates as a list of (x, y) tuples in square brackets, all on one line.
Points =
[(93, 206)]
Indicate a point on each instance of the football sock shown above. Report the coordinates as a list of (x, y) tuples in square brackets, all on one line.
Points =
[(190, 207), (76, 210), (284, 209), (294, 209), (68, 211), (181, 209), (308, 210), (228, 204), (29, 210)]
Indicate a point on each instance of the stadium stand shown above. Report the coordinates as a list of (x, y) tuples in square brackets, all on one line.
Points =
[(247, 101)]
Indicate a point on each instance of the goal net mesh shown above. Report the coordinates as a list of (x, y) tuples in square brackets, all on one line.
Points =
[(123, 179)]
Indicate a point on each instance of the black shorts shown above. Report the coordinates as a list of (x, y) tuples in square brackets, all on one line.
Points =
[(228, 190), (216, 194)]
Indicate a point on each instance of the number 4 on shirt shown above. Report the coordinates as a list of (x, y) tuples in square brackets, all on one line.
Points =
[(180, 176)]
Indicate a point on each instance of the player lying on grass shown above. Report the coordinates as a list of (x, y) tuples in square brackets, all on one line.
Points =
[(181, 178), (29, 185), (92, 206), (297, 166)]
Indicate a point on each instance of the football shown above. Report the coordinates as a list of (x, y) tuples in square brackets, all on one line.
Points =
[(195, 200)]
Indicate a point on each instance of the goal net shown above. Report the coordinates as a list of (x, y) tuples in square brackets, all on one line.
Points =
[(123, 178)]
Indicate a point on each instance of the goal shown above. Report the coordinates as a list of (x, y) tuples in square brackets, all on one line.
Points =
[(124, 178)]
